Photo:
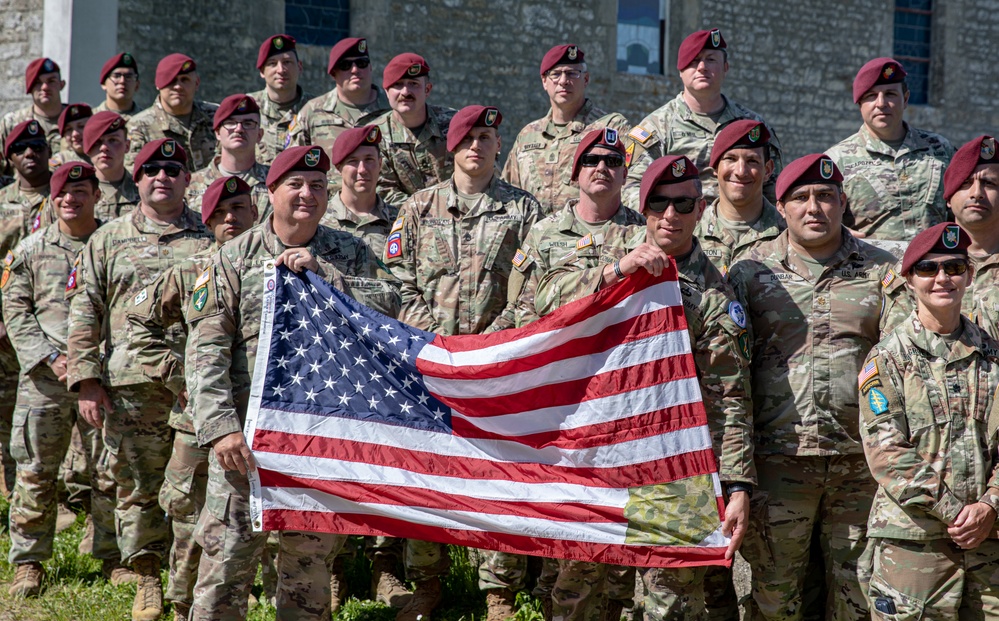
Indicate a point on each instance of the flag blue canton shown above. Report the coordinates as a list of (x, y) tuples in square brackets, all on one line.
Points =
[(331, 356)]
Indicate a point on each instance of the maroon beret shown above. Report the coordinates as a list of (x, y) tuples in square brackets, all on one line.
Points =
[(468, 117), (944, 238), (102, 123), (172, 66), (814, 168), (118, 60), (74, 112), (694, 43), (277, 44), (354, 47), (606, 137), (874, 72), (406, 65), (981, 150), (348, 142), (744, 133), (232, 105), (298, 158), (665, 170), (73, 171), (218, 191), (561, 55), (162, 150), (25, 130), (36, 68)]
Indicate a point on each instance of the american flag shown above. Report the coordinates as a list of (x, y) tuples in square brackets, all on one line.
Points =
[(580, 436)]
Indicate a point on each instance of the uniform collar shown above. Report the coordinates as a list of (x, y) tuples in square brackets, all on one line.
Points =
[(188, 221), (339, 211), (969, 343), (911, 142)]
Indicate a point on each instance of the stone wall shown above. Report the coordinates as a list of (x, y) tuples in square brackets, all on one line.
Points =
[(20, 41)]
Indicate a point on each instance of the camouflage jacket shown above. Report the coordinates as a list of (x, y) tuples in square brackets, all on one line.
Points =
[(928, 417), (276, 120), (723, 247), (411, 163), (49, 125), (197, 138), (224, 321), (675, 130), (103, 106), (454, 267), (810, 338), (21, 214), (35, 309), (540, 159), (716, 324), (117, 199), (117, 263), (256, 178), (372, 229), (65, 156), (893, 194), (549, 241)]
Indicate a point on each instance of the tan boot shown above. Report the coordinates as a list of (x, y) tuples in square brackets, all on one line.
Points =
[(425, 599), (388, 589), (338, 585), (117, 574), (148, 603), (181, 612), (28, 580), (65, 517), (87, 543), (500, 605)]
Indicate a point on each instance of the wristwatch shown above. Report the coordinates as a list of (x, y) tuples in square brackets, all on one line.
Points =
[(52, 358), (731, 488)]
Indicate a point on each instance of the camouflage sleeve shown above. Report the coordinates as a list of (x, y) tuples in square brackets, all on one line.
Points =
[(511, 169), (887, 423), (86, 316), (161, 308), (137, 138), (524, 282), (26, 335), (298, 131), (776, 154), (566, 281), (508, 316), (402, 262), (617, 121), (640, 157), (390, 186), (896, 302), (209, 355)]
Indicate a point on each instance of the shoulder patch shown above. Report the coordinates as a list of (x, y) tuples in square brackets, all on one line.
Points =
[(585, 241), (870, 376), (141, 297), (737, 313), (878, 402), (5, 277), (888, 279), (393, 245), (204, 278), (744, 345), (7, 260), (519, 257), (640, 134), (398, 224), (71, 282)]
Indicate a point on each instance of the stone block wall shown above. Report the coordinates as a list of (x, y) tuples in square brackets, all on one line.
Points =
[(20, 41)]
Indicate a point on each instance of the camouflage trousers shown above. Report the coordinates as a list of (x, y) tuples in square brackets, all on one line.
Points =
[(619, 586), (502, 570), (934, 580), (74, 472), (231, 551), (690, 593), (8, 396), (182, 497), (425, 560), (795, 496), (44, 418), (139, 442)]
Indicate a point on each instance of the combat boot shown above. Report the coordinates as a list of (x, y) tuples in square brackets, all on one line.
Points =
[(28, 580), (65, 517), (500, 605), (425, 599), (338, 585), (117, 574), (388, 589), (148, 603), (87, 543), (181, 611)]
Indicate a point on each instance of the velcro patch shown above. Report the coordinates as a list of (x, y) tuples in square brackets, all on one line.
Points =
[(205, 276), (397, 225), (519, 257), (141, 297), (640, 134), (888, 279), (585, 241)]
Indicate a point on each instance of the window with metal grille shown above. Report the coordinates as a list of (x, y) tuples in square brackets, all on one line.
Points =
[(913, 26), (641, 36), (317, 22)]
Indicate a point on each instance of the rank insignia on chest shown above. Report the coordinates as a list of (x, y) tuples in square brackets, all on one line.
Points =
[(200, 297), (878, 402), (585, 241), (519, 257)]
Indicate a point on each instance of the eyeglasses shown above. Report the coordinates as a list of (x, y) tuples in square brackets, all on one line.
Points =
[(592, 160), (172, 170), (123, 77), (572, 74), (929, 269), (35, 145), (249, 124), (347, 63), (682, 204)]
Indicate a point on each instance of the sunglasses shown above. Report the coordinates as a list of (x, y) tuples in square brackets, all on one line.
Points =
[(345, 65), (172, 170), (952, 267), (35, 145), (592, 160), (682, 204)]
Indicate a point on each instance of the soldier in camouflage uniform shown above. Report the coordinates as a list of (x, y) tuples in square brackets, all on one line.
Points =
[(353, 102), (672, 202), (688, 124), (410, 162), (281, 98), (36, 315), (452, 248), (227, 211), (238, 131), (43, 81), (928, 421), (540, 160), (741, 217), (106, 143), (176, 114), (814, 296), (893, 173), (119, 391), (71, 123), (120, 82), (224, 318)]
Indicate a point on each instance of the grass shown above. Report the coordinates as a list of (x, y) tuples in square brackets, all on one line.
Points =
[(75, 591)]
